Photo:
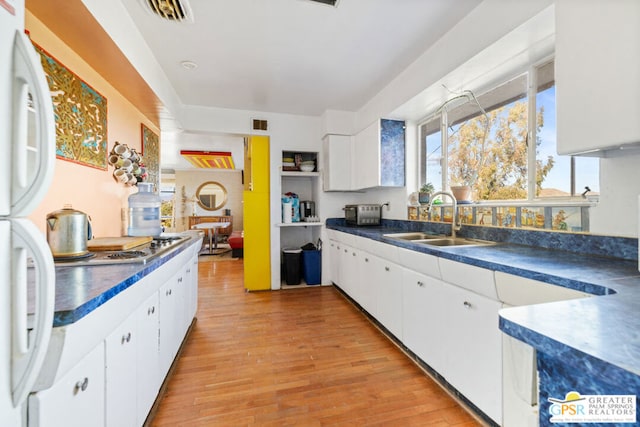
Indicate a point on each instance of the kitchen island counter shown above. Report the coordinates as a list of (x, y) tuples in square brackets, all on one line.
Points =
[(593, 338)]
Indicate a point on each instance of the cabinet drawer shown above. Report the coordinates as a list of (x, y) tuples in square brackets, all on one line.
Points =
[(346, 238), (417, 261), (476, 279), (382, 250)]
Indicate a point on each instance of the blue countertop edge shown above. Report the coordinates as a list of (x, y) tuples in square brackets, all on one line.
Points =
[(601, 333), (82, 289)]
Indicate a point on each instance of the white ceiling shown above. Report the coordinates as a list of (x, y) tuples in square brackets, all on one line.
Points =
[(293, 56), (287, 56)]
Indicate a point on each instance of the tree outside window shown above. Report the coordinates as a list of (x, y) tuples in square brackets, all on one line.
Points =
[(499, 154)]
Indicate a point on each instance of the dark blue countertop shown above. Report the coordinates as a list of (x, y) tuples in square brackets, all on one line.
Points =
[(82, 289), (604, 328)]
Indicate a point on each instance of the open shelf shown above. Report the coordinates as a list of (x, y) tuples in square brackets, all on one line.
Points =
[(299, 173)]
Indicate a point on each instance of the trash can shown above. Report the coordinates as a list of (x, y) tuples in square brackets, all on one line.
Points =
[(312, 266), (292, 265)]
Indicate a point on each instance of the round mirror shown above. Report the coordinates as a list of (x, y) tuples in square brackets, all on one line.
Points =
[(211, 196)]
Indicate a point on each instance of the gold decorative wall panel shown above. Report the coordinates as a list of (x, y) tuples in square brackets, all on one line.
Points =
[(80, 112), (151, 156)]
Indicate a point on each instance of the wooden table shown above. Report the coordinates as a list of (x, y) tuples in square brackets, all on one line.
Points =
[(212, 231), (226, 231)]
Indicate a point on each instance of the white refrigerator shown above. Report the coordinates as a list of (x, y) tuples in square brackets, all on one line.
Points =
[(27, 156)]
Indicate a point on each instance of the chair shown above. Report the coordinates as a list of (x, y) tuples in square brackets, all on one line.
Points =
[(236, 242)]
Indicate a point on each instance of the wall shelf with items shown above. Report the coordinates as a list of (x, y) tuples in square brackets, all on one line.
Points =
[(299, 174), (299, 161)]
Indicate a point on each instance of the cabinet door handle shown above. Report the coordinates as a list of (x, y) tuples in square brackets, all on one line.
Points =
[(168, 292), (126, 338), (353, 254), (188, 270), (386, 269), (467, 304), (151, 310), (345, 251), (421, 284), (180, 280), (366, 260), (81, 385)]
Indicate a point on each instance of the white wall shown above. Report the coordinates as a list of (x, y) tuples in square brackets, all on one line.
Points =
[(286, 132), (483, 27)]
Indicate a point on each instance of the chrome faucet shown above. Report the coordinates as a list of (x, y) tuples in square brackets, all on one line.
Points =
[(454, 225)]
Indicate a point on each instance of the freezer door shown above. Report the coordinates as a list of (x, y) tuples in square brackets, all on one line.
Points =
[(33, 138), (31, 303), (11, 19)]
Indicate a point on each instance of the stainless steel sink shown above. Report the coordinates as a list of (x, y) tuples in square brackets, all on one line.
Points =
[(412, 236), (437, 240), (458, 241)]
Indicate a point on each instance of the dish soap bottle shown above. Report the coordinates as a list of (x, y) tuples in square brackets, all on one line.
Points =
[(144, 212)]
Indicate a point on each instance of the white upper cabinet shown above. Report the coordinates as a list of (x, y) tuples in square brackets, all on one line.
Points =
[(378, 156), (597, 75), (337, 163), (365, 168)]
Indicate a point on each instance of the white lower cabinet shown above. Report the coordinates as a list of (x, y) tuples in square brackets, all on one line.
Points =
[(134, 367), (77, 399), (348, 273), (334, 261), (148, 378), (386, 280), (444, 311), (191, 293), (117, 383), (423, 315), (367, 282), (371, 281), (120, 374), (474, 348), (172, 319)]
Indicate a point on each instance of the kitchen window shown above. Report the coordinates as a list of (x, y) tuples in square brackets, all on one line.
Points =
[(167, 206), (503, 144)]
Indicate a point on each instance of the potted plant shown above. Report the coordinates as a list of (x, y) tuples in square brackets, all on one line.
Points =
[(424, 194), (462, 192)]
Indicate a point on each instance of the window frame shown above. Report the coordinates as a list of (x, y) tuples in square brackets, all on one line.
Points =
[(531, 73)]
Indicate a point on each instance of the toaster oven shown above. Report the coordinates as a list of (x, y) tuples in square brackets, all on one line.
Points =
[(362, 214)]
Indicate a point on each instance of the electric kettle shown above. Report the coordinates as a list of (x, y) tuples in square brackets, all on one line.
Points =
[(68, 231)]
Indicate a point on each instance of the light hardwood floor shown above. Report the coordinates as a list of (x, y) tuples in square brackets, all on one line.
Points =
[(301, 357)]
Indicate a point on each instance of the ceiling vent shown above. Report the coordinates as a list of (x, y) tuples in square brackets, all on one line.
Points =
[(170, 10), (333, 3)]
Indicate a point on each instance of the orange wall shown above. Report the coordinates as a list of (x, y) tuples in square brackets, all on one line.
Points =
[(87, 189)]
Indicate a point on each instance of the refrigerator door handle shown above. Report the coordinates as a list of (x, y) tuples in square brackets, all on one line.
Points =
[(29, 347), (21, 133), (34, 152)]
